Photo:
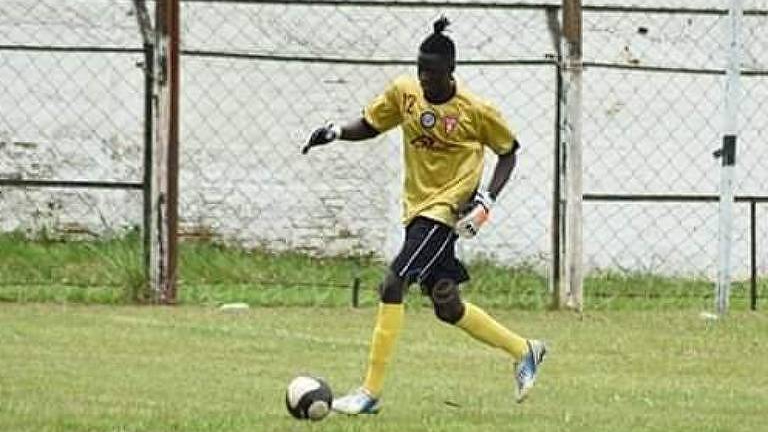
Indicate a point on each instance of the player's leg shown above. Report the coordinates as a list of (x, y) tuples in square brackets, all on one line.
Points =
[(423, 237), (389, 321), (441, 283), (449, 308), (526, 354), (419, 241)]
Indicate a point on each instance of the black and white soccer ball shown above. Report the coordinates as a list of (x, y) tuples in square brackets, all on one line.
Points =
[(308, 398)]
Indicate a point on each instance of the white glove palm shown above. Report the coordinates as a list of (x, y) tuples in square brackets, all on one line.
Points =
[(474, 214)]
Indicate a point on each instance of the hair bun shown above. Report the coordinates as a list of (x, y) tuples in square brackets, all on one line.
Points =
[(441, 24)]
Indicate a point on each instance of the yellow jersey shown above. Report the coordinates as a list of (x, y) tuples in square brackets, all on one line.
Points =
[(443, 145)]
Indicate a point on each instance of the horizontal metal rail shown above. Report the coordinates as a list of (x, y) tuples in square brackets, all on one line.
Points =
[(670, 197), (72, 49), (71, 184), (485, 5)]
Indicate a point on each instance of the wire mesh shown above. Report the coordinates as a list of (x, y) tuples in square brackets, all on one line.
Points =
[(257, 77), (257, 84), (653, 117), (71, 111)]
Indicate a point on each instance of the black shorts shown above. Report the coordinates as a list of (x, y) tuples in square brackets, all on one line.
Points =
[(428, 254)]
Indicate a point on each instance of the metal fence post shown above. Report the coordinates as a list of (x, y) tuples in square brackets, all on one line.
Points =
[(574, 190), (728, 155), (753, 254)]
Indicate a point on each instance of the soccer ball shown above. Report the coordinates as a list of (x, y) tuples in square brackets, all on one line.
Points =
[(308, 398)]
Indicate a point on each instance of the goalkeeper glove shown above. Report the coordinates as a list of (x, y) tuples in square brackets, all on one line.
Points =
[(321, 136), (474, 214)]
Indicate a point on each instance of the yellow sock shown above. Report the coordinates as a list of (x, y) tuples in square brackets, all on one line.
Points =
[(482, 327), (389, 321)]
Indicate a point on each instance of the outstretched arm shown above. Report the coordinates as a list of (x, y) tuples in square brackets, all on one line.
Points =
[(356, 130)]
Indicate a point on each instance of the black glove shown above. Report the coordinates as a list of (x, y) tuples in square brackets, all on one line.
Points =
[(321, 136)]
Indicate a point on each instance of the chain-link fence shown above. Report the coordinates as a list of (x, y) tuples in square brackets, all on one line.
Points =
[(71, 141), (258, 76), (653, 115)]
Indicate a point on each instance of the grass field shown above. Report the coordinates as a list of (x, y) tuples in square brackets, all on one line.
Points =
[(67, 367)]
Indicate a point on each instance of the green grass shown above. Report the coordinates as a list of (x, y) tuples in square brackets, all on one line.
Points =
[(67, 367), (110, 271)]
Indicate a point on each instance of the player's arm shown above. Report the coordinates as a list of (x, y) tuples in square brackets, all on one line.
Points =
[(356, 130), (474, 213), (503, 171), (486, 197), (497, 135), (382, 114)]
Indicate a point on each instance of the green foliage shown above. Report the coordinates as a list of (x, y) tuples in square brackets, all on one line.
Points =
[(111, 271), (48, 269)]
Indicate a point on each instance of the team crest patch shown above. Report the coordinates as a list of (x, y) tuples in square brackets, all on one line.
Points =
[(428, 119), (450, 123)]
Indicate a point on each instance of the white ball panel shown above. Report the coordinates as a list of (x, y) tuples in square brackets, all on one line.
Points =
[(299, 387)]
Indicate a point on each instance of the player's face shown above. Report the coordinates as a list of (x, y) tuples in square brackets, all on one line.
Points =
[(436, 82)]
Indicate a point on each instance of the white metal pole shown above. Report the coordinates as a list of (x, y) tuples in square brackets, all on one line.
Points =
[(728, 155)]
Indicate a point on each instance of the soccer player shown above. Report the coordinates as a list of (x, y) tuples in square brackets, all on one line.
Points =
[(445, 131)]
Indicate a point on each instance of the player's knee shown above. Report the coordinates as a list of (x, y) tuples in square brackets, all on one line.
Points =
[(447, 302), (392, 289)]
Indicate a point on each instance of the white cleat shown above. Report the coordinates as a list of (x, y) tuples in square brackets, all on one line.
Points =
[(527, 369), (357, 402)]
